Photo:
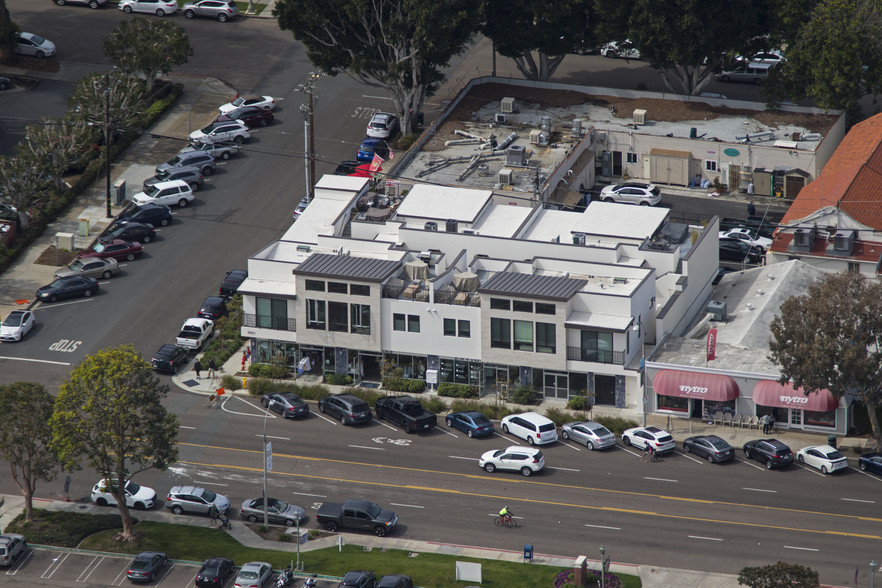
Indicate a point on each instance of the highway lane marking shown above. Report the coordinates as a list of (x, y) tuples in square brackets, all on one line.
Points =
[(366, 447), (704, 538), (406, 505), (35, 360), (508, 497), (564, 469), (307, 494), (273, 437), (753, 465), (496, 514), (212, 483), (603, 527), (375, 97), (800, 548), (761, 490), (448, 432), (508, 480), (459, 457), (859, 500), (690, 457), (659, 479)]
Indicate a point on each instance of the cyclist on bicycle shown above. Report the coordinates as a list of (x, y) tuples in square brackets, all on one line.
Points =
[(648, 452), (505, 513)]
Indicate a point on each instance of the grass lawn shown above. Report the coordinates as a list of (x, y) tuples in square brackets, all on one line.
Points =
[(427, 569)]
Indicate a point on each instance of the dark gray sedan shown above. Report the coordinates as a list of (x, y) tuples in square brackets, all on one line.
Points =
[(279, 511), (711, 447), (287, 404)]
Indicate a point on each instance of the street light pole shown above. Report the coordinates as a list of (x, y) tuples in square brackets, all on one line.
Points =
[(265, 498), (640, 341), (873, 566), (602, 566)]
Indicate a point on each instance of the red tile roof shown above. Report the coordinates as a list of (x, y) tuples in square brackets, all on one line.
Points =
[(852, 178)]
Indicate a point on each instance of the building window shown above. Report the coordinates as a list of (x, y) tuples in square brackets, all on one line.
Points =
[(523, 335), (500, 304), (315, 285), (632, 158), (338, 287), (465, 328), (545, 338), (413, 323), (597, 346), (500, 333), (450, 327), (521, 306), (359, 290), (338, 320), (854, 268), (545, 308), (360, 319), (315, 314), (272, 314), (710, 165), (399, 322)]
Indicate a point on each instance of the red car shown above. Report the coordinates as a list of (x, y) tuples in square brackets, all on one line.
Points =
[(115, 248), (252, 116)]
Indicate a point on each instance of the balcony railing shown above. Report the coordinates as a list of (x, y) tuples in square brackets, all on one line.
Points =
[(277, 324), (420, 293), (595, 355)]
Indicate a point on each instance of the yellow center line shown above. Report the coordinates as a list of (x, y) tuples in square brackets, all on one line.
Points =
[(527, 481)]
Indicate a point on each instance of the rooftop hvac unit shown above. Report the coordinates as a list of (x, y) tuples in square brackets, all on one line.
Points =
[(500, 118), (717, 310), (578, 238), (536, 137), (431, 226), (507, 105), (639, 116), (545, 125), (516, 155), (425, 255), (452, 225), (843, 240), (804, 237), (469, 232), (577, 126), (506, 176)]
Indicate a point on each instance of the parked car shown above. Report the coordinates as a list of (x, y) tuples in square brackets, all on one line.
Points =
[(740, 252), (748, 236), (169, 358), (252, 116), (195, 333), (156, 215), (301, 207), (233, 130), (89, 3), (632, 193), (369, 146), (591, 434), (222, 10), (526, 460), (287, 404), (197, 158), (167, 193), (195, 499), (624, 49), (35, 45), (213, 308), (17, 324), (189, 173), (713, 448), (278, 511), (217, 149), (771, 451), (350, 409), (356, 514), (383, 126), (5, 83), (12, 547), (406, 412), (265, 102), (359, 579), (157, 7), (68, 287), (140, 232), (530, 426), (871, 462), (344, 168), (255, 574), (137, 496), (395, 581), (639, 437), (755, 73), (231, 282), (146, 566), (92, 267), (115, 248), (472, 423), (214, 572), (823, 457)]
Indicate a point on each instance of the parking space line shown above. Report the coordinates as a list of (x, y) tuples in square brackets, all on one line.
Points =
[(446, 431), (306, 494), (203, 483), (58, 304), (564, 469), (21, 562), (379, 422), (265, 413), (860, 471), (366, 447), (121, 577), (166, 573), (570, 446), (690, 457), (93, 565), (185, 427), (53, 567), (324, 418), (810, 469), (406, 505), (753, 465)]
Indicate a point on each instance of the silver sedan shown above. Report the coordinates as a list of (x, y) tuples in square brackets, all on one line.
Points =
[(279, 511), (90, 267), (589, 433)]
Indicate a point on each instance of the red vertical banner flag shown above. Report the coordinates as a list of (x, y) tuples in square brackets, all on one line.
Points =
[(377, 162), (712, 345)]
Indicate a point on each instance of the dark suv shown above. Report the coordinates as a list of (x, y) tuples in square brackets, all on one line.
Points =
[(213, 308), (348, 408), (771, 451), (232, 281), (359, 579), (169, 358)]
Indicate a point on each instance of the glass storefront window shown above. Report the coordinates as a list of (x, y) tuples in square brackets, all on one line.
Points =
[(820, 419), (672, 403)]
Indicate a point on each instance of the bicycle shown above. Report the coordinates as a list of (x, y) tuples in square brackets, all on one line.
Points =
[(650, 455), (506, 521)]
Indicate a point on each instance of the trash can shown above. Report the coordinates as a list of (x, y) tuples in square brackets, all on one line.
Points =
[(528, 553), (831, 440)]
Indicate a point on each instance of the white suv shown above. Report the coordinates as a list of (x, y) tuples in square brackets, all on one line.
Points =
[(137, 496), (531, 426), (167, 193), (526, 460), (632, 193), (234, 130), (640, 437)]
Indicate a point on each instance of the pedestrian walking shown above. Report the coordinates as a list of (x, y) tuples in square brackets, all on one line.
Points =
[(197, 367), (751, 209), (767, 423), (212, 368), (213, 514)]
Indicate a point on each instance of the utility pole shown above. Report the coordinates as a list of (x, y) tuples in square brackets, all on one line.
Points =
[(107, 139), (309, 132)]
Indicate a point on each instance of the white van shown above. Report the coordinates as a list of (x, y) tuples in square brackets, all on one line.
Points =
[(531, 426), (755, 73)]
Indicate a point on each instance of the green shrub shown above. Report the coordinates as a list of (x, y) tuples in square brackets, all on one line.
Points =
[(284, 537), (617, 425), (577, 403), (310, 392), (268, 370), (231, 383), (434, 404), (262, 530), (62, 528), (369, 395), (261, 386), (338, 379), (491, 411), (559, 416), (523, 395), (453, 390), (404, 385)]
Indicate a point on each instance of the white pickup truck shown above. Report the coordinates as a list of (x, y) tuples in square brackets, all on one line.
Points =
[(194, 333)]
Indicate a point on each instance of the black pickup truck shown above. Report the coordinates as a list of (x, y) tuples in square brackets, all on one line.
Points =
[(356, 514), (405, 411)]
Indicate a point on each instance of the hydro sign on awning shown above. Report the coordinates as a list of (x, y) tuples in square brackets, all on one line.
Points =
[(771, 393), (713, 387)]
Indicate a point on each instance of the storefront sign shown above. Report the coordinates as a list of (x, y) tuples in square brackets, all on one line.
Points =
[(698, 391), (788, 400), (731, 152)]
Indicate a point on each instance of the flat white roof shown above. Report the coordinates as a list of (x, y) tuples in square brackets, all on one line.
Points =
[(352, 184), (599, 321), (318, 218), (271, 287), (551, 224), (627, 221), (501, 220), (430, 202)]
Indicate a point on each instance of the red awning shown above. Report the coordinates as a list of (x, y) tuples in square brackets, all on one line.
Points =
[(771, 393), (712, 387)]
